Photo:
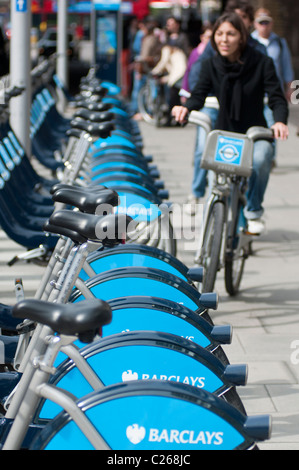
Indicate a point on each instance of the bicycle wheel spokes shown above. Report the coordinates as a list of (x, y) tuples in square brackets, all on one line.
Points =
[(146, 104)]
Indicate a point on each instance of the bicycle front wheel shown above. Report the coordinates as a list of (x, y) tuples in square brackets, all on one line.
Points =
[(146, 104), (211, 246), (236, 256)]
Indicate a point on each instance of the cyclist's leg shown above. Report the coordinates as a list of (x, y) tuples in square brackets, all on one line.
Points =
[(199, 174), (268, 113), (139, 81), (262, 162)]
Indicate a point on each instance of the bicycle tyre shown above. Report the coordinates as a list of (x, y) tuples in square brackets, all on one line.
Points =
[(146, 105), (158, 113), (234, 264), (211, 246)]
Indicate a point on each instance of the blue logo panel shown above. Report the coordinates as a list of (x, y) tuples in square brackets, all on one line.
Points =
[(126, 287), (152, 423), (229, 150), (152, 363), (137, 207), (134, 319)]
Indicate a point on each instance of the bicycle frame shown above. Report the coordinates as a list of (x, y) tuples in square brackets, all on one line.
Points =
[(36, 377)]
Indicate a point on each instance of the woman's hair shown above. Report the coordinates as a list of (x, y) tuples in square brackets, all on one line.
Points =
[(236, 22)]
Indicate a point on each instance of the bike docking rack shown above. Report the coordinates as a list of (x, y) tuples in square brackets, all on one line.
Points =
[(118, 350)]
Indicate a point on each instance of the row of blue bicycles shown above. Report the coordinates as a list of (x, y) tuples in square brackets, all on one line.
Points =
[(118, 349)]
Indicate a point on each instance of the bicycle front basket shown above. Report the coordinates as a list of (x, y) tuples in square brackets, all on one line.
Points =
[(229, 153)]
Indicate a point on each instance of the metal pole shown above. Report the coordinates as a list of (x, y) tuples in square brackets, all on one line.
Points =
[(20, 67), (62, 47), (93, 34), (119, 47)]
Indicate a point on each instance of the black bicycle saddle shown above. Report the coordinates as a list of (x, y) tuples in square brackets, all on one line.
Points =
[(102, 129), (95, 188), (94, 116), (87, 201), (110, 228), (96, 106), (95, 89), (84, 319)]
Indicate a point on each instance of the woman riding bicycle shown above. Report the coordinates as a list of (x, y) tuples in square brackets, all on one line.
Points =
[(240, 77)]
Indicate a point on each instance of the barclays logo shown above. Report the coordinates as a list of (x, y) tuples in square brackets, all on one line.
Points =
[(198, 382), (137, 434)]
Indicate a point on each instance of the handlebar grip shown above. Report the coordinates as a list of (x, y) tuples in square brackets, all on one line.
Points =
[(260, 133)]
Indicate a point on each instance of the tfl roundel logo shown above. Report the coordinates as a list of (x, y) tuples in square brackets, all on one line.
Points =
[(229, 150)]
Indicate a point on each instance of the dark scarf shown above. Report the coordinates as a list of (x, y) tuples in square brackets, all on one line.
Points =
[(230, 95)]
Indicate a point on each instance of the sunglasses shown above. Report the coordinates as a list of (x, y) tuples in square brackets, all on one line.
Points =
[(264, 23)]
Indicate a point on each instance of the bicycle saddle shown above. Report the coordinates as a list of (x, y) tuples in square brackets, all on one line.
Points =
[(84, 319), (94, 189), (94, 116), (109, 228), (74, 236), (87, 201), (74, 133), (97, 107), (95, 89), (102, 129)]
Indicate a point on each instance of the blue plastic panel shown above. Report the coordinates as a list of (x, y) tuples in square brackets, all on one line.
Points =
[(152, 423)]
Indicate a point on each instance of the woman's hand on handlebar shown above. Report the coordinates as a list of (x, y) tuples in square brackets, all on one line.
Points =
[(281, 131), (180, 114)]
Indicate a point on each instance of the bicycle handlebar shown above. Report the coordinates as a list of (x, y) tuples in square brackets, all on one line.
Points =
[(254, 133), (260, 133), (200, 119)]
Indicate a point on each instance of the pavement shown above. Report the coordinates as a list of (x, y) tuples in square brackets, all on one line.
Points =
[(265, 314)]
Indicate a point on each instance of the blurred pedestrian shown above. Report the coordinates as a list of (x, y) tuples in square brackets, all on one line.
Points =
[(149, 55), (276, 47), (193, 57), (175, 37), (171, 69)]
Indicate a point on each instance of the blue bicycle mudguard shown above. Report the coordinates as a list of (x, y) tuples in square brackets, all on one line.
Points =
[(140, 206), (157, 415), (148, 356), (127, 182), (129, 176), (127, 282), (116, 152), (119, 166), (111, 87), (155, 314), (135, 255), (110, 141), (127, 185), (119, 112), (113, 101), (120, 158)]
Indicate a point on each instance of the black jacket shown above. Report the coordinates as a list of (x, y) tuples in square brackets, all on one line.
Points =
[(240, 89)]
